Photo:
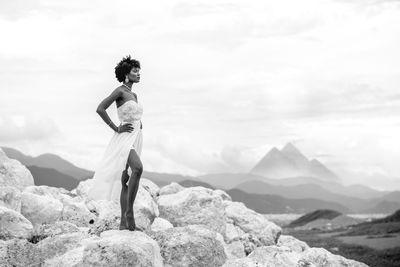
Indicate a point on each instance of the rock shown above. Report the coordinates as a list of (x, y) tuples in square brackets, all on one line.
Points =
[(194, 205), (151, 187), (14, 225), (160, 224), (172, 188), (72, 257), (109, 212), (13, 173), (113, 248), (292, 243), (40, 209), (223, 194), (49, 230), (266, 256), (10, 197), (77, 213), (235, 250), (57, 245), (19, 252), (323, 258), (108, 215), (233, 233), (252, 222), (83, 188), (250, 242), (192, 245), (58, 193)]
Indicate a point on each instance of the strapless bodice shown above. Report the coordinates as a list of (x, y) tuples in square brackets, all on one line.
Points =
[(130, 111)]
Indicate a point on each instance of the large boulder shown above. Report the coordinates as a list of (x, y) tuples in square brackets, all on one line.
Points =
[(323, 258), (192, 245), (292, 243), (77, 213), (40, 209), (14, 225), (19, 252), (10, 197), (13, 173), (194, 205), (160, 224), (252, 222), (83, 188), (171, 188), (266, 256), (113, 248), (43, 231), (152, 188), (57, 245), (223, 194)]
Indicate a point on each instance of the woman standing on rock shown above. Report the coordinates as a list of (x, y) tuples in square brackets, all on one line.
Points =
[(125, 146)]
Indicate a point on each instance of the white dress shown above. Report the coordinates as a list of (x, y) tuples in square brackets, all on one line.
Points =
[(107, 177)]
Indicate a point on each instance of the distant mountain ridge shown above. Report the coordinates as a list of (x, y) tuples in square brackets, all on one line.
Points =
[(290, 162), (50, 161)]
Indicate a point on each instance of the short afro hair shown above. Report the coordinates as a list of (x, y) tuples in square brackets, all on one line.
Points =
[(125, 66)]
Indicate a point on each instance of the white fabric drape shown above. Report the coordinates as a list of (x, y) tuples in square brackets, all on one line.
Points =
[(107, 177)]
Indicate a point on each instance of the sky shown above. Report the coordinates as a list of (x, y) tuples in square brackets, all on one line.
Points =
[(222, 82)]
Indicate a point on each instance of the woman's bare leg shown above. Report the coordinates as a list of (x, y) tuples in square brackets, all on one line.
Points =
[(123, 197), (137, 168)]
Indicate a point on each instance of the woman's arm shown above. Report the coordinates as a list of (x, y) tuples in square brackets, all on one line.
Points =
[(101, 109)]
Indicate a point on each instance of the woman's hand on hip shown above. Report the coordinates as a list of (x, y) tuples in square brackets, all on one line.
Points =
[(125, 128)]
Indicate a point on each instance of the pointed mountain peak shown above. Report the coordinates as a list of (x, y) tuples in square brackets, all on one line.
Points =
[(274, 150), (293, 153), (289, 147)]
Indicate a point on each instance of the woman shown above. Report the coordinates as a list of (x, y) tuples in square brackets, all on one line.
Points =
[(125, 147)]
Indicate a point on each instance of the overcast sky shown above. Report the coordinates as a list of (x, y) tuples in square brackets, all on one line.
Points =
[(222, 82)]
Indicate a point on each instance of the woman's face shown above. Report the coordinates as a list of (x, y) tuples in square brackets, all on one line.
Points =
[(134, 75)]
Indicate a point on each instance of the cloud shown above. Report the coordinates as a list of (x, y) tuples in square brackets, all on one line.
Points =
[(27, 128)]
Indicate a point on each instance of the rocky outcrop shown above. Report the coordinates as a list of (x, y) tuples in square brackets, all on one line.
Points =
[(178, 226), (252, 222), (113, 248), (14, 225), (194, 205), (160, 224), (10, 197), (13, 173), (172, 188), (192, 245)]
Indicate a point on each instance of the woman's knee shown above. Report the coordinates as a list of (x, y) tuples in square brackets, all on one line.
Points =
[(138, 168)]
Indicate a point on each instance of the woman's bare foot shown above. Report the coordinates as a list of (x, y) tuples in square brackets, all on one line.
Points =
[(123, 225), (130, 222)]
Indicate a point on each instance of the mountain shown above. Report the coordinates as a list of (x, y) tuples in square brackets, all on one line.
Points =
[(51, 161), (290, 162), (265, 203), (228, 181), (51, 177), (162, 179), (303, 191), (275, 164), (294, 155)]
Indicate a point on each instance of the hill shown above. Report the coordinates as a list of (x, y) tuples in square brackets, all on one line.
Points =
[(265, 203), (51, 161), (387, 225), (312, 216), (51, 177)]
